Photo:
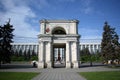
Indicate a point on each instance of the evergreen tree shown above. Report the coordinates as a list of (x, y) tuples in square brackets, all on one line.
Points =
[(6, 37), (110, 46), (1, 53), (85, 52)]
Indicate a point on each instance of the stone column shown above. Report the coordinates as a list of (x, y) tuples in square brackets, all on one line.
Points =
[(81, 47), (68, 63), (85, 45), (97, 47), (89, 47), (93, 48), (48, 55), (75, 55), (78, 53), (40, 55), (43, 27)]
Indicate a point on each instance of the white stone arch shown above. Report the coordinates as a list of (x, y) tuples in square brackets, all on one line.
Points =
[(58, 40)]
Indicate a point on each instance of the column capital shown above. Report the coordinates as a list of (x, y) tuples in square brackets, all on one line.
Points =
[(48, 41), (40, 41), (76, 42), (68, 41)]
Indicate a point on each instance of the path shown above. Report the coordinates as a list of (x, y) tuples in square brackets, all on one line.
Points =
[(68, 74), (58, 74)]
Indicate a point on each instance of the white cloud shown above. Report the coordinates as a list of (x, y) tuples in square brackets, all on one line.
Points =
[(18, 13)]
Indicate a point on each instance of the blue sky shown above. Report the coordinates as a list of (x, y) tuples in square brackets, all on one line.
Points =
[(92, 14)]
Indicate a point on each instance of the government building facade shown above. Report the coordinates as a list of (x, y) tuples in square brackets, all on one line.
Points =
[(93, 47)]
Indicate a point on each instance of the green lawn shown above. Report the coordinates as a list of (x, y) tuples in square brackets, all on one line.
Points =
[(17, 75), (106, 75)]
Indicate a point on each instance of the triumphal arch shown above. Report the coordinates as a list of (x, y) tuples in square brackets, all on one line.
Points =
[(58, 44)]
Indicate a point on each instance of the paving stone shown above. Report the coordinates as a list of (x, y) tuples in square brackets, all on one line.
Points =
[(60, 74)]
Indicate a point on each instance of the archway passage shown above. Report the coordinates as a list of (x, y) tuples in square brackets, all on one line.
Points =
[(59, 55), (59, 31)]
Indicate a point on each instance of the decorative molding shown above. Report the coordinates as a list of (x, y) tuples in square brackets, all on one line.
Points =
[(59, 21)]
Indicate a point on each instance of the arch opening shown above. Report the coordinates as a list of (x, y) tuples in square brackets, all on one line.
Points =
[(59, 31)]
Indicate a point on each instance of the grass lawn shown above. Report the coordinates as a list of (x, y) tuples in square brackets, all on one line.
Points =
[(17, 75), (106, 75)]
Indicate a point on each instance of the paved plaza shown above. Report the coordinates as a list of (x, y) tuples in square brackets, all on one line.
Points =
[(67, 74), (58, 74), (54, 73)]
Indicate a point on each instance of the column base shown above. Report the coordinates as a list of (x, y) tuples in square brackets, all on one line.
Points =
[(49, 64), (75, 64), (68, 64), (40, 65)]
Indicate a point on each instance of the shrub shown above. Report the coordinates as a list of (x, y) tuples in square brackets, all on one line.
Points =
[(34, 58), (17, 58)]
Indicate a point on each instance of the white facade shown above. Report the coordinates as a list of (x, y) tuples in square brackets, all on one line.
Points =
[(93, 47), (25, 47)]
